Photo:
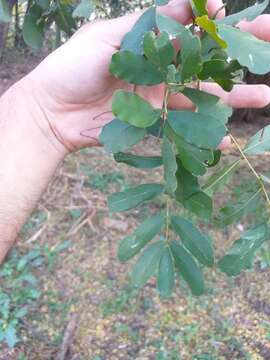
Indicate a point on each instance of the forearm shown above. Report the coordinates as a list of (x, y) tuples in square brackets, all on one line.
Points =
[(29, 156)]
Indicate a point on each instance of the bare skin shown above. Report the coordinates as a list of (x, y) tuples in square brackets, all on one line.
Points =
[(62, 105)]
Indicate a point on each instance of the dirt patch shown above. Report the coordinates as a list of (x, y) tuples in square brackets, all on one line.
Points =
[(14, 66)]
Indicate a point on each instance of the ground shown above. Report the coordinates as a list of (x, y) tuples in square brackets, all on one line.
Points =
[(84, 277)]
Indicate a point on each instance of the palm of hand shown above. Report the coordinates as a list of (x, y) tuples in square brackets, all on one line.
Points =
[(78, 99)]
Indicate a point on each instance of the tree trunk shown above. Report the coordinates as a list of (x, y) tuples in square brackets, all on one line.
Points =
[(4, 28)]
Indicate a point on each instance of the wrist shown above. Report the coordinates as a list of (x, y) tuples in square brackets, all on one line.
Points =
[(29, 156), (30, 115)]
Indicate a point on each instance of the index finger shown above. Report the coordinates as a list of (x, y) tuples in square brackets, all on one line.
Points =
[(260, 27), (115, 29)]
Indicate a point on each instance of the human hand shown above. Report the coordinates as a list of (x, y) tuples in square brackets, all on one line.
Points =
[(74, 88)]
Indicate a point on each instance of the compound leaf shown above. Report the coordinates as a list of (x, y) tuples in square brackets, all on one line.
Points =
[(166, 275), (197, 243), (135, 69), (133, 109), (126, 135), (129, 199), (188, 268), (243, 250), (132, 244), (147, 264)]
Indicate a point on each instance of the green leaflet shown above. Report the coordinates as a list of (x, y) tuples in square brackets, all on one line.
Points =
[(131, 108), (129, 199), (11, 336), (147, 264), (170, 165), (167, 24), (133, 40), (191, 58), (188, 268), (192, 157), (32, 30), (141, 162), (219, 179), (219, 69), (64, 19), (242, 252), (211, 28), (166, 274), (215, 159), (84, 9), (208, 104), (259, 143), (135, 69), (200, 204), (187, 184), (247, 49), (196, 128), (248, 14), (159, 50), (234, 212), (197, 243), (4, 11), (199, 7), (126, 135), (189, 193), (132, 244)]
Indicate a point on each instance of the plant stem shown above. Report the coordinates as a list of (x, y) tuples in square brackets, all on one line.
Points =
[(165, 104), (252, 169), (167, 221), (164, 118)]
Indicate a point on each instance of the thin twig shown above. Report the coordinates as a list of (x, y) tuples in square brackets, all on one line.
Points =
[(68, 337), (257, 176)]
